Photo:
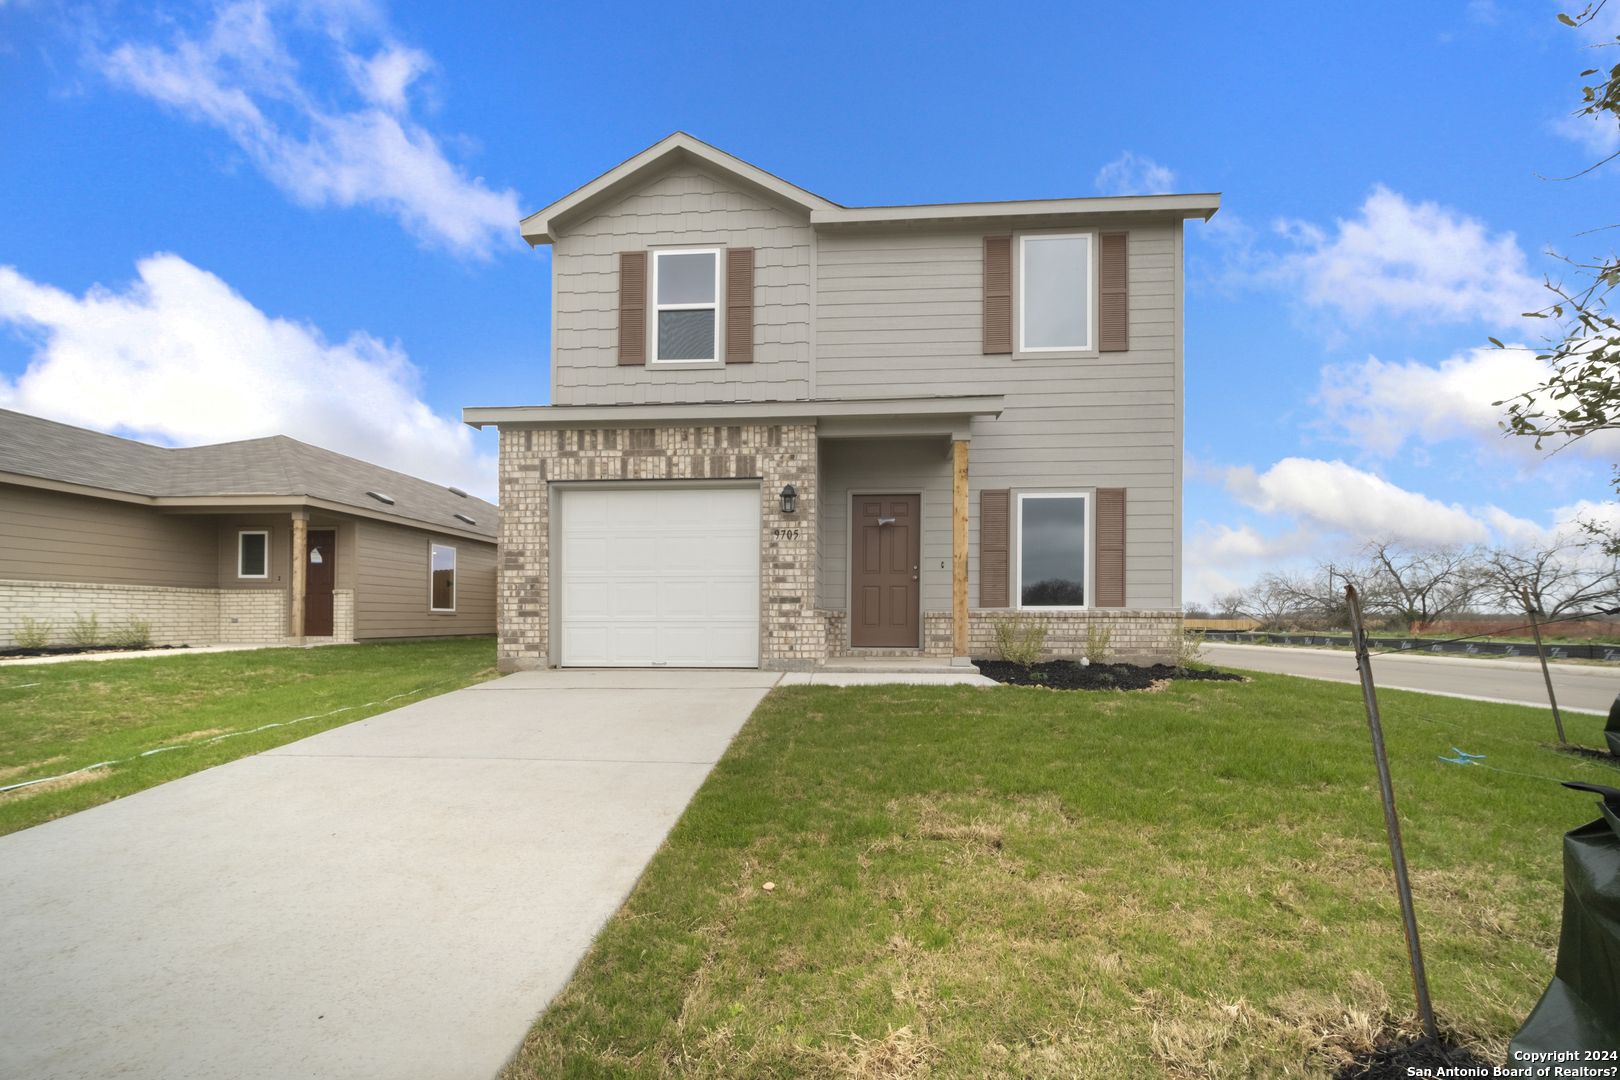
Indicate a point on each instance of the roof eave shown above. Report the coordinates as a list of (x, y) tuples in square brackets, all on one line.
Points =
[(247, 502), (714, 412), (1200, 205)]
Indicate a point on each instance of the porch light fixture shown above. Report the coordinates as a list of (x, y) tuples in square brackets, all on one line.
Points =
[(790, 499)]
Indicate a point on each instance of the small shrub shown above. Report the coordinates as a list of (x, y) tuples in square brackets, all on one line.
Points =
[(1098, 640), (1187, 648), (1019, 639), (34, 635), (134, 634), (85, 631)]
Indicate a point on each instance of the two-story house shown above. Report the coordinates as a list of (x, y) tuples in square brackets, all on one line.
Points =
[(783, 430)]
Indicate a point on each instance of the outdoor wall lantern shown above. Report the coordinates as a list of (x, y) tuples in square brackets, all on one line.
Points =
[(790, 499)]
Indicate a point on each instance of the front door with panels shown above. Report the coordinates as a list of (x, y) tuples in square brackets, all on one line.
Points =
[(885, 572), (319, 576), (659, 577)]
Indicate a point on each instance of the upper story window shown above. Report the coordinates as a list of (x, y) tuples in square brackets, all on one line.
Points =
[(686, 292), (1054, 285)]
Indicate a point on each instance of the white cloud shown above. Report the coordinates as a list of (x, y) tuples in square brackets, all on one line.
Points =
[(1410, 259), (1132, 175), (180, 357), (1380, 406), (1339, 498), (241, 77)]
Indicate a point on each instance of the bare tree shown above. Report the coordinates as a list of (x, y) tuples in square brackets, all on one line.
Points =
[(1564, 577), (1231, 605), (1420, 584)]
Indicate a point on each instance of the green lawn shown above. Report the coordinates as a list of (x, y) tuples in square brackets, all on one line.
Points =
[(1026, 883), (57, 718)]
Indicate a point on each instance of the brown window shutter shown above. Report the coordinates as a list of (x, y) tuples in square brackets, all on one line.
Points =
[(993, 547), (1110, 547), (739, 305), (1114, 289), (632, 307), (997, 296)]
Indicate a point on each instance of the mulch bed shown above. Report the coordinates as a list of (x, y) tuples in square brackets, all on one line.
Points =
[(1072, 675), (74, 650), (1421, 1058)]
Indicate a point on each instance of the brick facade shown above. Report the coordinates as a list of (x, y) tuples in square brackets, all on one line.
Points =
[(1137, 636), (792, 635), (178, 616)]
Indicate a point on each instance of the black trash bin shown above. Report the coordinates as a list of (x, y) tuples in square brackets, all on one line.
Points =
[(1580, 1011)]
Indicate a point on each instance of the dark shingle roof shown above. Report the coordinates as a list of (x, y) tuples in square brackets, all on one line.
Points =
[(31, 446)]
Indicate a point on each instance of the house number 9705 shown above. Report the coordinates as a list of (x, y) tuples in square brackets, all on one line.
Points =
[(786, 534)]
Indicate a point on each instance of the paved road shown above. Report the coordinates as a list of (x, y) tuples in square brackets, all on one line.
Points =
[(398, 898), (1579, 688)]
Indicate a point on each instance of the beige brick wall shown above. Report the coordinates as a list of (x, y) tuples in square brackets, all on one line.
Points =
[(179, 616), (1137, 636), (252, 616), (793, 636)]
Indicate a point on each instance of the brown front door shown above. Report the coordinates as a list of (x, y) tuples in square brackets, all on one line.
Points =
[(884, 572), (320, 573)]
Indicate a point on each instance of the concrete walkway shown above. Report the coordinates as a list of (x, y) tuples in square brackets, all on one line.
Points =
[(1580, 687), (398, 898)]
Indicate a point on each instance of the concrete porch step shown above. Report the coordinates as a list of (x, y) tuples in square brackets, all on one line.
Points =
[(889, 665)]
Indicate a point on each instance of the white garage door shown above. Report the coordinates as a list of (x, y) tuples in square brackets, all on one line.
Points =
[(654, 578)]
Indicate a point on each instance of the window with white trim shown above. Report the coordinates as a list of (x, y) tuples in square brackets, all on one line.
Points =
[(1054, 293), (686, 296), (1054, 549), (442, 584), (253, 554)]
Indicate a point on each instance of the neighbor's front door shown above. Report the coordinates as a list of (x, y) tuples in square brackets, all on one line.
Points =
[(320, 574), (885, 572)]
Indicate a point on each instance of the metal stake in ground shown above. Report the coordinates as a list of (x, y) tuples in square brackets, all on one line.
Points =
[(1392, 824), (1535, 628)]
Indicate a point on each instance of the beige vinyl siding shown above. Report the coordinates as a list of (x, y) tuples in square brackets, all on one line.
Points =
[(279, 561), (391, 590), (901, 313), (685, 207), (885, 467), (51, 536)]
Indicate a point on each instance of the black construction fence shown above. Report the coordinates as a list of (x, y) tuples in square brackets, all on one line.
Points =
[(1555, 651)]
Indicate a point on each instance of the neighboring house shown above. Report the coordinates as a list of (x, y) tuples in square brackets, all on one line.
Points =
[(263, 541), (784, 430)]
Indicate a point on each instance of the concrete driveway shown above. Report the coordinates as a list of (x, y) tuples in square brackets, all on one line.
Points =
[(398, 898), (1579, 688)]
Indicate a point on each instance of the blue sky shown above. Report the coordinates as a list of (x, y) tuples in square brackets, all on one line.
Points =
[(229, 219)]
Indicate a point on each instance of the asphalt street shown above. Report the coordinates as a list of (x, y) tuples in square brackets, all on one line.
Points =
[(1580, 688)]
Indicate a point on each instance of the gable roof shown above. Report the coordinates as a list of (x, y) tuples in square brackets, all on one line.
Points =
[(546, 225), (234, 474)]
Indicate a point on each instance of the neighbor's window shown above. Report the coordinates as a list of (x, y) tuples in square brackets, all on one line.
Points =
[(686, 289), (443, 589), (1054, 284), (253, 554), (1051, 551)]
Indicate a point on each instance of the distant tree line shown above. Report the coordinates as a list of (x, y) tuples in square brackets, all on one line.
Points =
[(1404, 583)]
